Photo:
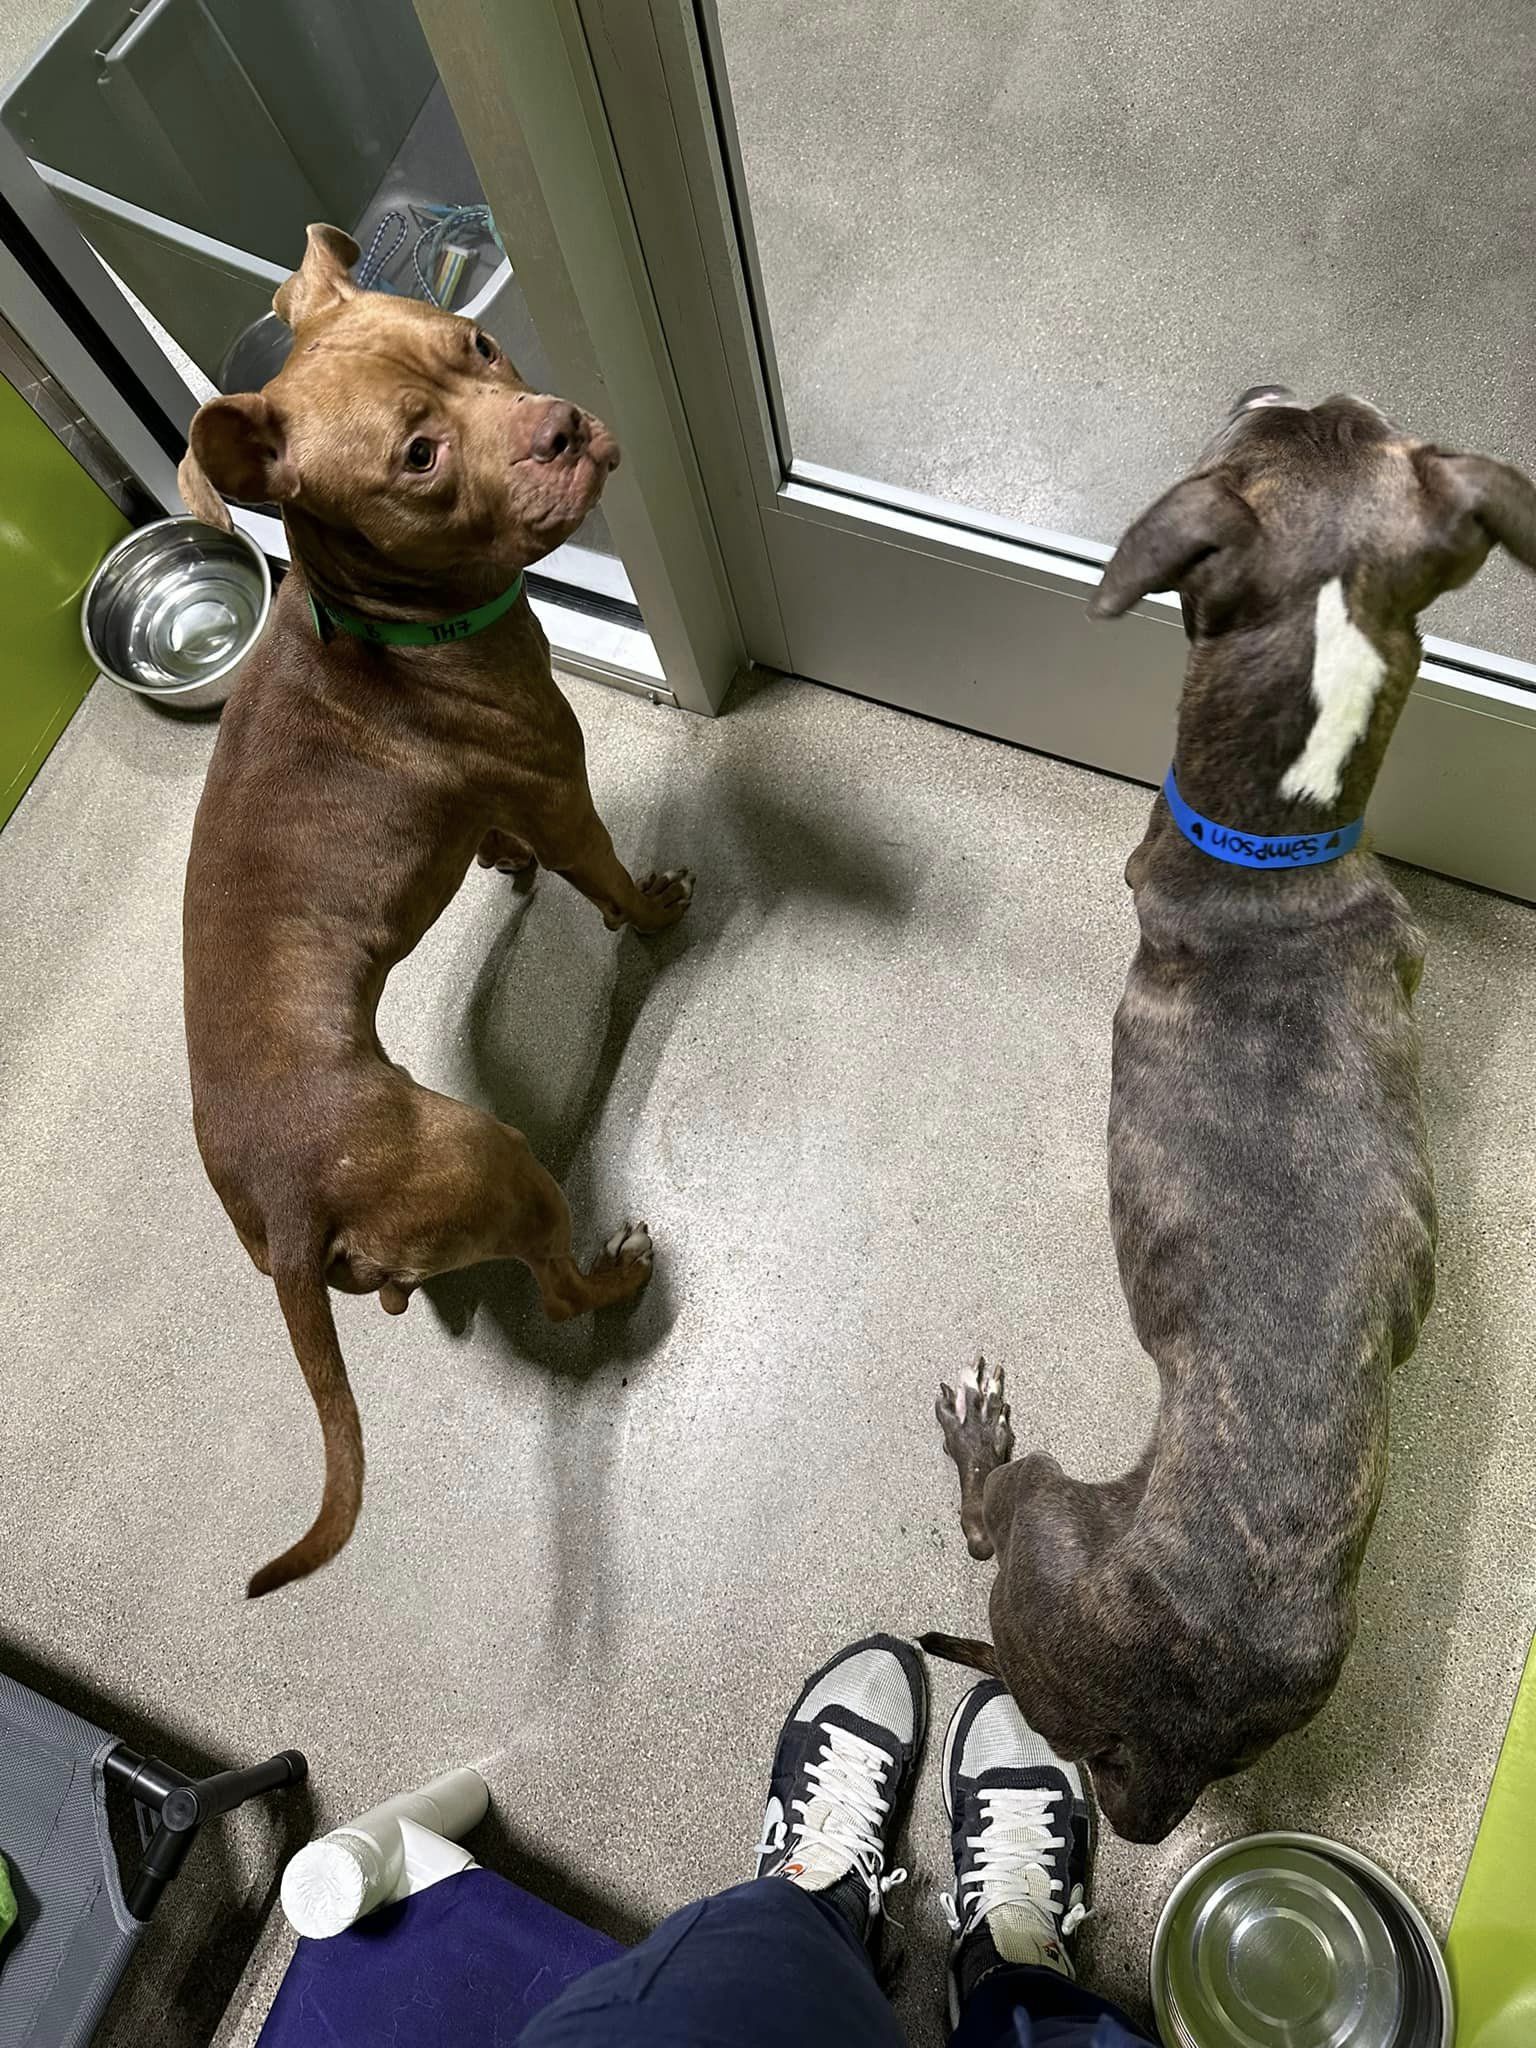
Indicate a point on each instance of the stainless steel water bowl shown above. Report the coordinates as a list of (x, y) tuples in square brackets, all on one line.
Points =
[(1291, 1941), (174, 609), (256, 354)]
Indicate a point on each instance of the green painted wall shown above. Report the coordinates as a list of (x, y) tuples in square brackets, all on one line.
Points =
[(1491, 1953), (55, 526)]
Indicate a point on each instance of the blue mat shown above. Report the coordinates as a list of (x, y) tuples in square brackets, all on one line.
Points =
[(465, 1964)]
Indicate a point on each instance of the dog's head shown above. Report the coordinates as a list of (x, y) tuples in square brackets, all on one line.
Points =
[(1288, 498), (1174, 1707), (1147, 1782), (397, 437), (1303, 547)]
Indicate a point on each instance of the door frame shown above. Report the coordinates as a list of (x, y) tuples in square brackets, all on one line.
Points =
[(882, 591)]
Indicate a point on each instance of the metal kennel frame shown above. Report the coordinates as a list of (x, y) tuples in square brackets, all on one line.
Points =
[(78, 1927)]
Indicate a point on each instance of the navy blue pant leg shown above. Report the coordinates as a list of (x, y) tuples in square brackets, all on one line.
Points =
[(762, 1963), (766, 1962), (1020, 2007)]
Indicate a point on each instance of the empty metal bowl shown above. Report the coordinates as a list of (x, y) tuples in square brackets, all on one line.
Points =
[(1290, 1941), (256, 354), (174, 609)]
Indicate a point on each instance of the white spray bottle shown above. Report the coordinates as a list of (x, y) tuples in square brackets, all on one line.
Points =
[(401, 1847)]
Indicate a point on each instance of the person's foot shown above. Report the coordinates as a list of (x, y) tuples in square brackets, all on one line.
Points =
[(1021, 1827), (842, 1777)]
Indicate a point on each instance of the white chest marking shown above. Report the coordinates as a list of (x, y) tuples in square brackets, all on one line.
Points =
[(1347, 672)]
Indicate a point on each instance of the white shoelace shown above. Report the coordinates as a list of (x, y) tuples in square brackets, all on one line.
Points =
[(1011, 1867), (850, 1806)]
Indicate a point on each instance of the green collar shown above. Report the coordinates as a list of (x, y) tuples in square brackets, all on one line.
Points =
[(414, 632)]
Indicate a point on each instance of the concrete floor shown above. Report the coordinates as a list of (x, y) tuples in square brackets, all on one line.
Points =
[(24, 27), (1020, 256), (860, 1096)]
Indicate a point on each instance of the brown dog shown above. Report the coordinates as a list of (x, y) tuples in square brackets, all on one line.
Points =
[(1270, 1185), (352, 785)]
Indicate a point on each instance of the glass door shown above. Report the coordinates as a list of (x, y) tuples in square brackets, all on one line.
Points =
[(952, 294), (186, 144)]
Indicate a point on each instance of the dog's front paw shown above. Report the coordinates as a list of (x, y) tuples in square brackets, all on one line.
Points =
[(667, 894)]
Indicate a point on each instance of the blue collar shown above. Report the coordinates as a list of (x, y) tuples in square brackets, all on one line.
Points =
[(1245, 850)]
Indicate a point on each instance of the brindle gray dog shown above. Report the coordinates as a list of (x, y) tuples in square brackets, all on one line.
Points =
[(1270, 1189)]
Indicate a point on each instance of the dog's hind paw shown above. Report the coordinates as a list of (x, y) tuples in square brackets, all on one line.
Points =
[(668, 893), (630, 1245), (977, 1411), (621, 1269), (979, 1437)]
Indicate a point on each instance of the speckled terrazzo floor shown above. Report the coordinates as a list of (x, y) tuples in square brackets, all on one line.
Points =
[(860, 1097)]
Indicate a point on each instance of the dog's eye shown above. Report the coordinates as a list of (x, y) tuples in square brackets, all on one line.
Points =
[(486, 346), (421, 454)]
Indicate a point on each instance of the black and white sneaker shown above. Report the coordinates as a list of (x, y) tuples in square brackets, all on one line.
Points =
[(1021, 1826), (842, 1777)]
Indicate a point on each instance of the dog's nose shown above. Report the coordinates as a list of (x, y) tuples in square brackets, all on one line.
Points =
[(1263, 394), (558, 433)]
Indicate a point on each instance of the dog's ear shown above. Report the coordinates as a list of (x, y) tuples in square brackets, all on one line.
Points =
[(199, 496), (1500, 498), (322, 280), (237, 450), (1195, 519)]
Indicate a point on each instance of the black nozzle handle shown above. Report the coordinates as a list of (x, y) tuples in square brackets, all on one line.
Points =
[(192, 1804), (166, 1853), (144, 1778), (184, 1804)]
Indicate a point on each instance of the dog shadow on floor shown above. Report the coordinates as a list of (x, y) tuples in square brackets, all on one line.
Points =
[(1368, 1742), (560, 1130), (195, 1949), (762, 848)]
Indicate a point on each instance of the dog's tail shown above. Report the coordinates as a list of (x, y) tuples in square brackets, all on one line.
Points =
[(306, 1304), (962, 1650)]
